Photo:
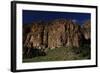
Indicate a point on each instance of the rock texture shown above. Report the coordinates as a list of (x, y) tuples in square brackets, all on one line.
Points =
[(63, 33), (54, 34), (86, 29)]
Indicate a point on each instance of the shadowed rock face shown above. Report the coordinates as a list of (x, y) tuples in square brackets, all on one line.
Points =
[(57, 33), (86, 29)]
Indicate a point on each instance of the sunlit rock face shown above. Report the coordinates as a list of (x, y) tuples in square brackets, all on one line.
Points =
[(64, 33), (55, 34), (36, 37)]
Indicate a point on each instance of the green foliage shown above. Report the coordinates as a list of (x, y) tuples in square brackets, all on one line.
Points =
[(63, 54)]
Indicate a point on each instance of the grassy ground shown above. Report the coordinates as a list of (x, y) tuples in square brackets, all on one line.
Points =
[(62, 54)]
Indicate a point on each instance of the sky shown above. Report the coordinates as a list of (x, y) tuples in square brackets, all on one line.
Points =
[(30, 16)]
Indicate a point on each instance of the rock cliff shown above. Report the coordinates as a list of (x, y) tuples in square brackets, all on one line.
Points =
[(54, 34)]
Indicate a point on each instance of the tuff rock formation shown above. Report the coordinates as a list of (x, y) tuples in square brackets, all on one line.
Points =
[(54, 34), (86, 29)]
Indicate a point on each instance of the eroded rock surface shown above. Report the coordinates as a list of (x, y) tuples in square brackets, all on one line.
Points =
[(54, 34)]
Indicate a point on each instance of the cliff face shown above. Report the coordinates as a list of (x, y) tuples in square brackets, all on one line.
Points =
[(58, 33), (86, 29), (63, 33)]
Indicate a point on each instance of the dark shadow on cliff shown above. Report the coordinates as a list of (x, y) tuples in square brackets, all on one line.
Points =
[(33, 52)]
